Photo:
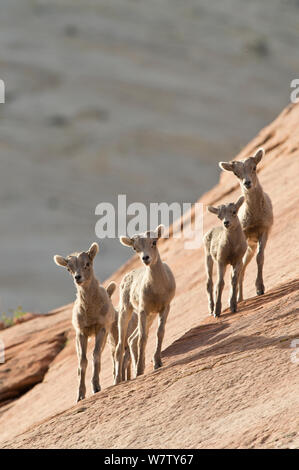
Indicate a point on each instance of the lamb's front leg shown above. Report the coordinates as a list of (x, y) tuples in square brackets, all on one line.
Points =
[(142, 340), (160, 336), (209, 285), (100, 342), (246, 260), (236, 270), (81, 345), (260, 288), (221, 268)]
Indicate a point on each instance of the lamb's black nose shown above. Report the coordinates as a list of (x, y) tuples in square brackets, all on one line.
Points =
[(78, 277), (226, 223), (247, 184), (145, 258)]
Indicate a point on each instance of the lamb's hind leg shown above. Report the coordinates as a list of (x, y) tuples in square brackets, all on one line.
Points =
[(81, 345), (129, 354), (100, 342), (128, 363), (123, 320), (142, 340), (260, 288), (246, 260), (112, 348), (160, 336), (126, 371), (133, 344), (209, 269), (113, 340)]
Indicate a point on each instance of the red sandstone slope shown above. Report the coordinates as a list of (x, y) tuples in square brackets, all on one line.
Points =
[(226, 382)]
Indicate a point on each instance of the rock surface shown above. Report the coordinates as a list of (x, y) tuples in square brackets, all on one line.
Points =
[(231, 382)]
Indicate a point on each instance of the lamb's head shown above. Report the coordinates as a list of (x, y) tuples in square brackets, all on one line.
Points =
[(245, 170), (145, 245), (228, 213), (79, 265)]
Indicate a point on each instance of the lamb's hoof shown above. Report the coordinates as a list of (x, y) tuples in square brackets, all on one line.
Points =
[(80, 398), (117, 380), (233, 308), (260, 291), (96, 389), (216, 315), (157, 364)]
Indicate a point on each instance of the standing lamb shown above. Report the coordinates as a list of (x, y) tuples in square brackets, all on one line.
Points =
[(93, 312), (147, 291), (224, 245), (256, 215)]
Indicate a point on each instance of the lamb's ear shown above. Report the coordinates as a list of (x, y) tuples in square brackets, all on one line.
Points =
[(226, 166), (160, 230), (259, 155), (213, 210), (239, 202), (60, 261), (93, 251), (126, 241)]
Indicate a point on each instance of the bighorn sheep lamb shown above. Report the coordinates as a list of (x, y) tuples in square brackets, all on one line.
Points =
[(147, 291), (256, 215), (93, 312), (224, 245)]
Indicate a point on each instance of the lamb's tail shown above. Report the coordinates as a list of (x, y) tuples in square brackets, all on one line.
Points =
[(111, 288)]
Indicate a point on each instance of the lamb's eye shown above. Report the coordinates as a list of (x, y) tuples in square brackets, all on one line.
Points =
[(154, 243), (254, 168), (234, 212), (87, 265)]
